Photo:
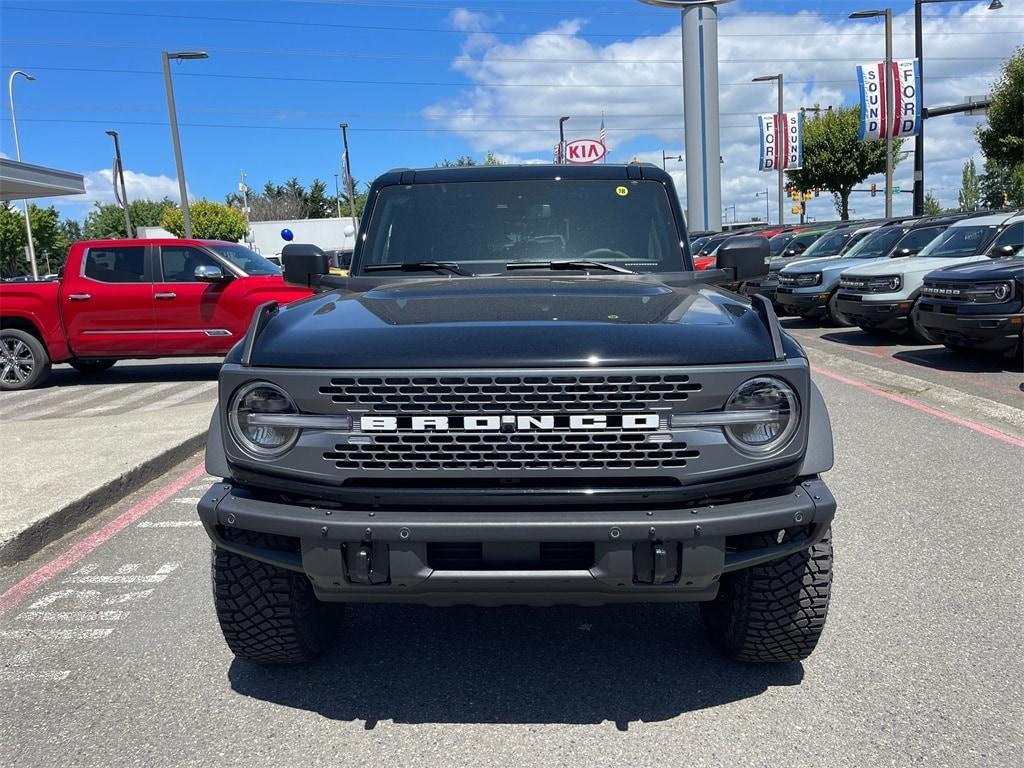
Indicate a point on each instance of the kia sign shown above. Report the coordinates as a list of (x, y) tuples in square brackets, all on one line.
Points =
[(584, 151)]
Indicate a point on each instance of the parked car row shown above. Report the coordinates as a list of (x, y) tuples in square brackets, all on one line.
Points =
[(954, 279)]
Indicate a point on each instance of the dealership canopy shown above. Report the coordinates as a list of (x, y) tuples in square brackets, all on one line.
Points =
[(21, 181)]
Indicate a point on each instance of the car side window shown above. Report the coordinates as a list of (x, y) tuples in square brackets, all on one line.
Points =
[(917, 239), (119, 264), (178, 263), (1013, 237)]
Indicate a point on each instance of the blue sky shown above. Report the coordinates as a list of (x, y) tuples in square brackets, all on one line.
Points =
[(423, 80)]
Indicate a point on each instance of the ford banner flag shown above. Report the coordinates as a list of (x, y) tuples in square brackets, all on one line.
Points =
[(782, 141), (906, 119)]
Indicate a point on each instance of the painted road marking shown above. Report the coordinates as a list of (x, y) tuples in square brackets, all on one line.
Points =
[(13, 674), (186, 394), (87, 598), (201, 487), (62, 408), (1014, 441), (188, 500), (71, 616), (125, 575), (55, 634), (13, 596), (131, 397), (170, 524)]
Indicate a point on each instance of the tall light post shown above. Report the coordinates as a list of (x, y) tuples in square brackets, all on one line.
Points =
[(17, 153), (889, 100), (561, 139), (666, 157), (120, 175), (701, 132), (172, 112), (778, 152), (995, 5), (767, 213)]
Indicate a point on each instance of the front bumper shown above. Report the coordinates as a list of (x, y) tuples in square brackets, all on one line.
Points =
[(766, 287), (886, 315), (991, 333), (692, 545), (803, 303)]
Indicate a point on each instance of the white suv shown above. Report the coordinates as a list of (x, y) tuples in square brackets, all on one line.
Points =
[(881, 295)]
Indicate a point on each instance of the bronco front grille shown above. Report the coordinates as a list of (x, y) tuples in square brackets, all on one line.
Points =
[(509, 394), (437, 451)]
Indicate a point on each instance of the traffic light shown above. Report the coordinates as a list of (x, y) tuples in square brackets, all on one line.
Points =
[(795, 210), (796, 195), (807, 196), (874, 189), (1006, 199)]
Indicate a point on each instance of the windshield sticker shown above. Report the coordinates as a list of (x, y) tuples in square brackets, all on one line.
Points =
[(621, 191)]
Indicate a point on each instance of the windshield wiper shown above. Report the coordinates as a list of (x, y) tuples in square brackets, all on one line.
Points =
[(581, 264), (416, 266)]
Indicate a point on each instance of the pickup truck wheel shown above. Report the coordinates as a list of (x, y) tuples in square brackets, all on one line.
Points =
[(23, 360), (92, 366), (773, 612), (267, 614)]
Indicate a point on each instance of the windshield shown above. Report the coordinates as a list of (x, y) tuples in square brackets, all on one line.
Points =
[(779, 241), (828, 244), (480, 226), (246, 260), (877, 244), (957, 242)]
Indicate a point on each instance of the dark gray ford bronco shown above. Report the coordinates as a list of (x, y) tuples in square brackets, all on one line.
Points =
[(522, 394)]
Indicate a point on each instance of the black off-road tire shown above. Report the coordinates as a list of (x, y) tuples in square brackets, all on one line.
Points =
[(89, 367), (773, 612), (267, 614), (916, 332), (24, 362), (834, 315)]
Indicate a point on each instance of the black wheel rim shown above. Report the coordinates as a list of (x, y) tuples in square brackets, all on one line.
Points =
[(16, 360)]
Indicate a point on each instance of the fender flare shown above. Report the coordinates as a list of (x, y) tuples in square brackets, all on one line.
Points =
[(820, 455), (216, 459)]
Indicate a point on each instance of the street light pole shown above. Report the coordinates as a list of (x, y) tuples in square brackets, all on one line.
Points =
[(348, 173), (887, 87), (995, 5), (166, 56), (779, 159), (561, 139), (666, 157), (17, 153), (120, 175), (767, 212)]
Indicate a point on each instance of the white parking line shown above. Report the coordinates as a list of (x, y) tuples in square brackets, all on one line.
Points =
[(131, 397), (187, 500), (10, 401), (123, 577), (62, 407), (56, 634), (185, 394), (170, 524), (74, 616), (13, 674)]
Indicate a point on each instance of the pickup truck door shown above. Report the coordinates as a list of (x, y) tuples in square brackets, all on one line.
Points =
[(107, 306), (194, 317)]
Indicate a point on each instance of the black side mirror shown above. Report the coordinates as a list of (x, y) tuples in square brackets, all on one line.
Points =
[(903, 252), (1006, 250), (792, 252), (304, 264), (747, 256)]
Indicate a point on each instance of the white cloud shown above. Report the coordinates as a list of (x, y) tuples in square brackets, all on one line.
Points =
[(641, 116), (99, 188), (4, 156), (466, 20)]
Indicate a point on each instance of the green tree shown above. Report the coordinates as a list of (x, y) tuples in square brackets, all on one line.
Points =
[(210, 221), (467, 160), (317, 203), (107, 221), (1002, 186), (834, 158), (1002, 138), (49, 238), (970, 191), (932, 206)]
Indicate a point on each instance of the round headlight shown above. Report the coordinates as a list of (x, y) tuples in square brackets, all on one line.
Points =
[(894, 283), (1002, 291), (256, 436), (776, 422)]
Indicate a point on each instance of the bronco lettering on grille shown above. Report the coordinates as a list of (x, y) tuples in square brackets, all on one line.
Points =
[(512, 423)]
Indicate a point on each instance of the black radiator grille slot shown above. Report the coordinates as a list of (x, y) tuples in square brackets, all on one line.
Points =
[(549, 556)]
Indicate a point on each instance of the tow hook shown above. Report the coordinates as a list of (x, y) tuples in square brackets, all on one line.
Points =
[(656, 562), (367, 563)]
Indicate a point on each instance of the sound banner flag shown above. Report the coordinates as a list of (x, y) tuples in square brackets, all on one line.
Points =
[(782, 141), (907, 114)]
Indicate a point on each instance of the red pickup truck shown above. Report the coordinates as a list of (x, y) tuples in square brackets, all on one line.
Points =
[(134, 299)]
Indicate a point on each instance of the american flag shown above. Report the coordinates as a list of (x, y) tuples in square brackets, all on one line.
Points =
[(602, 134)]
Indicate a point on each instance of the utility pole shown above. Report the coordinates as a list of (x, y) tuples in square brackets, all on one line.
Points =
[(780, 127), (17, 152), (166, 56), (124, 189), (347, 170), (244, 189)]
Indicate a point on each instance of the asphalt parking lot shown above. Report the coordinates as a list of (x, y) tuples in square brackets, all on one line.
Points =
[(111, 653)]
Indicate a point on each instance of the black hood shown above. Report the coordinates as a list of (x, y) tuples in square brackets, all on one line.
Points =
[(998, 269), (517, 322)]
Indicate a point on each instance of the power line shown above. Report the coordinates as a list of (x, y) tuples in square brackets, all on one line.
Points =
[(449, 59), (432, 30), (339, 81)]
